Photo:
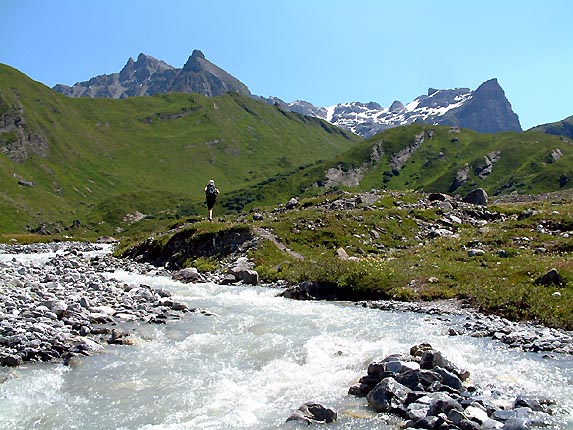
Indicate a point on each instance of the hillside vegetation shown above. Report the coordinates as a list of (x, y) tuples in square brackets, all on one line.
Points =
[(431, 159), (404, 246), (104, 162)]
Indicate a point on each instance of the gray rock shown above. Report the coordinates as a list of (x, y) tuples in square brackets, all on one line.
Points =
[(248, 276), (292, 203), (312, 412), (552, 277), (477, 197), (187, 275), (387, 395), (449, 378), (516, 424)]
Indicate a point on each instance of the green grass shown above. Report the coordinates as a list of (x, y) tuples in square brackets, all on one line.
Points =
[(104, 159), (396, 259)]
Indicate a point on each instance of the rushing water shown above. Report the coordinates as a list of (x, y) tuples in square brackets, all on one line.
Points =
[(252, 362)]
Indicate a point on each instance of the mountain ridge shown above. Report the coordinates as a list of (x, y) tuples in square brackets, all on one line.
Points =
[(149, 76), (98, 160), (485, 109)]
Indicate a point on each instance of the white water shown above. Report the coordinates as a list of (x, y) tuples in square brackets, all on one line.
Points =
[(252, 363)]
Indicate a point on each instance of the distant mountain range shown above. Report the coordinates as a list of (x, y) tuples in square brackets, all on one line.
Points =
[(94, 165), (485, 110)]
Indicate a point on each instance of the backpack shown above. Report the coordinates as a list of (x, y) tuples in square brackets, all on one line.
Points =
[(211, 191)]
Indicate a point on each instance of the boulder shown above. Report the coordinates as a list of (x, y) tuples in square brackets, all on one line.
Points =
[(311, 412), (552, 277), (187, 275), (387, 396), (242, 273), (291, 203), (477, 197), (438, 197)]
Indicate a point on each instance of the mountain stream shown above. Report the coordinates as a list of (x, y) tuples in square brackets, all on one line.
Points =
[(252, 362)]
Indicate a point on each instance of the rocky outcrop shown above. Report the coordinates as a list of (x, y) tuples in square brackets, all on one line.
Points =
[(17, 141), (430, 392), (186, 244), (488, 111), (148, 76)]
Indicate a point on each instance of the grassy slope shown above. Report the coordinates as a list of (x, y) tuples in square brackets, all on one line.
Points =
[(525, 165), (399, 259), (108, 157)]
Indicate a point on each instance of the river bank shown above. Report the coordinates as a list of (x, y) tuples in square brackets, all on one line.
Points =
[(57, 302), (197, 371), (64, 305)]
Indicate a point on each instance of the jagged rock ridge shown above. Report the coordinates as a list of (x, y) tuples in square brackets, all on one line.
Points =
[(485, 110), (148, 76)]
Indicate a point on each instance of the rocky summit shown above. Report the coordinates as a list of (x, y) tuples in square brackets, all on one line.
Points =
[(148, 76), (485, 110)]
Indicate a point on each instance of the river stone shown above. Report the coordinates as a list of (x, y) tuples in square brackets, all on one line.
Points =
[(449, 378), (476, 414), (248, 276), (417, 411), (516, 424), (312, 412), (533, 403), (466, 424), (187, 275), (443, 403), (387, 395)]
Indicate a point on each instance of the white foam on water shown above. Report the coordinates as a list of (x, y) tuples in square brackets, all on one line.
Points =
[(252, 363)]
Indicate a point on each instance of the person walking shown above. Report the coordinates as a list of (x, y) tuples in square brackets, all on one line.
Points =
[(211, 192)]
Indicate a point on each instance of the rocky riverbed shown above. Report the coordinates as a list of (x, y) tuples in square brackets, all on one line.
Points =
[(430, 392), (64, 306), (527, 337), (67, 304)]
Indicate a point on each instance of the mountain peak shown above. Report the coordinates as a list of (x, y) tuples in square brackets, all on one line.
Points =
[(149, 76), (198, 54)]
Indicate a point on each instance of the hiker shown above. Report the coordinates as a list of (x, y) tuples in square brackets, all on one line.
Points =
[(211, 192)]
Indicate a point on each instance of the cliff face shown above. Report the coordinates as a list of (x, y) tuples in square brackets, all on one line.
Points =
[(488, 111), (148, 76)]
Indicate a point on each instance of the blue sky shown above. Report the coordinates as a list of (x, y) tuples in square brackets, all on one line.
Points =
[(321, 51)]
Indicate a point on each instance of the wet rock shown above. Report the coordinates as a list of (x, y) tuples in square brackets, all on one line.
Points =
[(187, 275), (516, 424), (311, 412), (248, 276), (535, 404), (387, 396)]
